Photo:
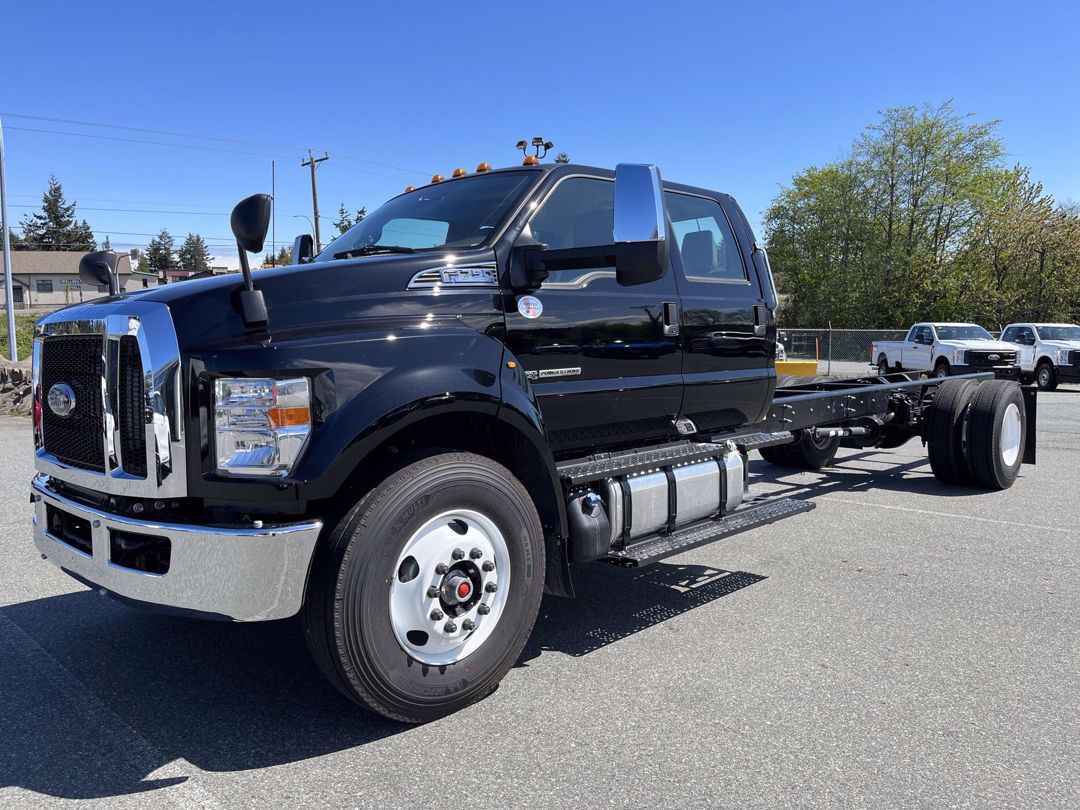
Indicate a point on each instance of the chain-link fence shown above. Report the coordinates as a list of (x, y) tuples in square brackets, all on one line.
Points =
[(838, 352)]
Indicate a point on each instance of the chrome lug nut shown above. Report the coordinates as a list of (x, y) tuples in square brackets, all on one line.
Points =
[(468, 624), (457, 554), (436, 615), (476, 554), (483, 609), (491, 587), (488, 565), (450, 627), (432, 592), (441, 569)]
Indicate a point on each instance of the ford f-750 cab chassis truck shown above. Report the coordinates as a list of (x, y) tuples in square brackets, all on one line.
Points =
[(410, 436)]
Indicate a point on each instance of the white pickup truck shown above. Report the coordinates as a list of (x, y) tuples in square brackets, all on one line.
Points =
[(943, 349), (1048, 353)]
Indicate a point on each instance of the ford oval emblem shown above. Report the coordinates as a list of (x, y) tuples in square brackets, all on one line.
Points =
[(61, 399), (993, 357)]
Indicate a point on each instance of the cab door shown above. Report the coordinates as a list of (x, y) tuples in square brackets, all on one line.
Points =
[(603, 359), (729, 337)]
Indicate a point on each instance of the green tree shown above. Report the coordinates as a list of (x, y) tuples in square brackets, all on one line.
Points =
[(55, 227), (160, 253), (562, 157), (284, 257), (345, 221), (194, 254)]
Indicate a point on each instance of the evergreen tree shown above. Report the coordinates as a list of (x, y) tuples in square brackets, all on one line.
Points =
[(344, 221), (284, 257), (106, 245), (160, 254), (562, 157), (194, 254), (55, 226)]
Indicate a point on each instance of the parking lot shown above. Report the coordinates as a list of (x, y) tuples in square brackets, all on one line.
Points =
[(903, 644)]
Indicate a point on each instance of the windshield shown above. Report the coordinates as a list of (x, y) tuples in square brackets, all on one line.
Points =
[(1059, 332), (461, 213), (967, 332)]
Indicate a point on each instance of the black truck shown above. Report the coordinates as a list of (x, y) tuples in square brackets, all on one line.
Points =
[(410, 436)]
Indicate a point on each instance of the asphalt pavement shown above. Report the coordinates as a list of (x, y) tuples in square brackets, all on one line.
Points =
[(904, 644)]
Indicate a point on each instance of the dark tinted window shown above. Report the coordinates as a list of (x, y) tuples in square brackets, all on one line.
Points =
[(455, 213), (1009, 335), (963, 332), (580, 212), (704, 238)]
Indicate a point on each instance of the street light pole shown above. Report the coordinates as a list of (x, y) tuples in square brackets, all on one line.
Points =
[(9, 296)]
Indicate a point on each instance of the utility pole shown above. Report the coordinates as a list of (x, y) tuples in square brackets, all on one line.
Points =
[(313, 162), (273, 215), (9, 296)]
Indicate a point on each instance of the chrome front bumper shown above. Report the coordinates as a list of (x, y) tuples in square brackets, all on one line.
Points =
[(253, 574)]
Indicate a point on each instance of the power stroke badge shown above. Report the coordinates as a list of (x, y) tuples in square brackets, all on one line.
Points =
[(530, 307)]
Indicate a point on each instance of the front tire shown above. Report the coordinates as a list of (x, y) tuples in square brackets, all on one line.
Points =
[(1046, 377), (404, 614), (941, 370)]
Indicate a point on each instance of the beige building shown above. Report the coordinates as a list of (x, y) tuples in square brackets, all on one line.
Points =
[(49, 279)]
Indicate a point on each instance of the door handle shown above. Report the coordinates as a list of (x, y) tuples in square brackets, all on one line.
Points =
[(759, 320), (671, 318)]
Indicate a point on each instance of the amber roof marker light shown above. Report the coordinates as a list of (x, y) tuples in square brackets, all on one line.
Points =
[(437, 178), (459, 172), (538, 143), (484, 167)]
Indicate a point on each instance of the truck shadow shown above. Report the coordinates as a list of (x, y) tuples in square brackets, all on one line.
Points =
[(857, 471), (644, 598), (98, 696)]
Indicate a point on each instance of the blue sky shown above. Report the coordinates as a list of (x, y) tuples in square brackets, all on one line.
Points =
[(731, 96)]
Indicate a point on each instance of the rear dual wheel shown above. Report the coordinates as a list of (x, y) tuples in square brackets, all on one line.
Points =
[(424, 594), (976, 433)]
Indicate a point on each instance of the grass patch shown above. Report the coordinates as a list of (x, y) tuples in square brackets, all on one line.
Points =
[(24, 333)]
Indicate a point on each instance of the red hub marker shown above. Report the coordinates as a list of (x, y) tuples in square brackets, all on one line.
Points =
[(463, 590)]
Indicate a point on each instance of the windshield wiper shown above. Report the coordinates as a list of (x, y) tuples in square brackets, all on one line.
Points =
[(369, 250)]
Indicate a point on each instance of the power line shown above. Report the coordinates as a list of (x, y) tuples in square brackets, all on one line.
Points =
[(217, 138)]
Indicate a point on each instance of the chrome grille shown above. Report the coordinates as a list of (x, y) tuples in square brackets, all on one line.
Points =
[(131, 397), (75, 439), (123, 363)]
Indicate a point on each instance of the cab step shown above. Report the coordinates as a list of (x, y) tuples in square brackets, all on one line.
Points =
[(749, 517)]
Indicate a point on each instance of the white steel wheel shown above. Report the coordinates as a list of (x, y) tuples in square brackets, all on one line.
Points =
[(1010, 435), (449, 587)]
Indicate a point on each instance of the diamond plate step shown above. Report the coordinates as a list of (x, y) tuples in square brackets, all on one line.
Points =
[(607, 466), (750, 517)]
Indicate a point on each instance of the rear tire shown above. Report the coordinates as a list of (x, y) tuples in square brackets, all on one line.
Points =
[(1046, 377), (365, 581), (997, 433), (945, 431), (882, 366)]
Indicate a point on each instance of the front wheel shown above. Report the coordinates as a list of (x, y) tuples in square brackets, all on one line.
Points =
[(941, 369), (1046, 377), (424, 594)]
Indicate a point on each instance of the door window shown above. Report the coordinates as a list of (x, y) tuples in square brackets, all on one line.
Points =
[(580, 212), (1010, 334), (704, 238)]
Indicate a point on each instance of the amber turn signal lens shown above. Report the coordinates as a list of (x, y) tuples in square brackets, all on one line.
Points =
[(289, 417)]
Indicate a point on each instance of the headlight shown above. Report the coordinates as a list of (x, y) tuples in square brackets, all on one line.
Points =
[(958, 357), (261, 425), (1063, 357)]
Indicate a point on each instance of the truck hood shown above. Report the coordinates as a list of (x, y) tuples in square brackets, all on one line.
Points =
[(988, 345), (327, 296), (1062, 344)]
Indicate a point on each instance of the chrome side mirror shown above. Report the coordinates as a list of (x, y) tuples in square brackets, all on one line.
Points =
[(640, 232)]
